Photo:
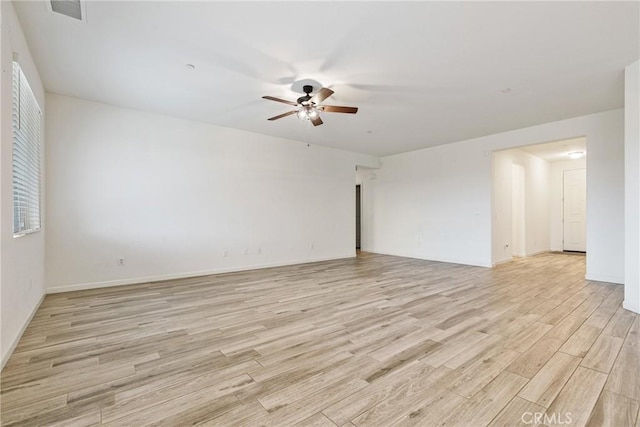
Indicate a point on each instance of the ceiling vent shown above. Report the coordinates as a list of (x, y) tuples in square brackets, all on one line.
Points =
[(75, 9)]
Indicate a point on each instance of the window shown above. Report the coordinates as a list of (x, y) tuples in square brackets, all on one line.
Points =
[(26, 156)]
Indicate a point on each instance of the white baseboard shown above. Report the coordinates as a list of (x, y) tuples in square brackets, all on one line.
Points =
[(605, 278), (445, 260), (506, 260), (5, 358), (184, 275), (502, 261), (631, 307), (544, 251)]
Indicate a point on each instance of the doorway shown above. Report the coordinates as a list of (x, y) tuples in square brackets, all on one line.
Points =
[(528, 199), (358, 214), (574, 210)]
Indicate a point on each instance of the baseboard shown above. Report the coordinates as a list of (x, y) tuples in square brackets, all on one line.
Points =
[(184, 275), (544, 251), (605, 278), (445, 260), (15, 342), (631, 307), (502, 261)]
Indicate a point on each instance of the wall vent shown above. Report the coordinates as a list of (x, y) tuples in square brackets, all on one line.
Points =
[(72, 8)]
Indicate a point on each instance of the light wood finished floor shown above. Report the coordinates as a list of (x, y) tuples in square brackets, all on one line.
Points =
[(372, 341)]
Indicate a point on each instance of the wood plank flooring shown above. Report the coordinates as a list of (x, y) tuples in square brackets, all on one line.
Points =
[(372, 341)]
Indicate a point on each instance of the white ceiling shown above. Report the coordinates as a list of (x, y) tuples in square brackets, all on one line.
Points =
[(422, 73), (557, 151)]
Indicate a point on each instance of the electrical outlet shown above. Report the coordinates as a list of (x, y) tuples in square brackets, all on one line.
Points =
[(246, 251), (312, 246), (225, 253), (259, 251), (120, 262)]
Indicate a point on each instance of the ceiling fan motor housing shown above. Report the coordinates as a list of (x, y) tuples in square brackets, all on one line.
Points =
[(307, 90)]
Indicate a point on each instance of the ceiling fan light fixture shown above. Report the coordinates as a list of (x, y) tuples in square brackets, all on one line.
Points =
[(302, 114), (307, 112)]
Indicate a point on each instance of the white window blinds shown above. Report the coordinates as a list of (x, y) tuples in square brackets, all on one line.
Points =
[(26, 156)]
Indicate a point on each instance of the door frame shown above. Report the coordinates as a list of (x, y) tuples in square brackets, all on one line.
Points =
[(518, 219), (358, 216)]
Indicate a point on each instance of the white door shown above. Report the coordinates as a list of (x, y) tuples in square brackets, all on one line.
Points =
[(575, 210)]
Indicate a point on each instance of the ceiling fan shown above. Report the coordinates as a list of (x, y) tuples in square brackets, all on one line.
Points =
[(308, 107)]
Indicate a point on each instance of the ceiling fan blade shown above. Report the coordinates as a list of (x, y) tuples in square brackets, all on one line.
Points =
[(283, 115), (337, 109), (317, 121), (322, 94), (284, 101)]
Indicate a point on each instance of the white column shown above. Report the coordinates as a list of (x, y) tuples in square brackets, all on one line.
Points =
[(632, 187)]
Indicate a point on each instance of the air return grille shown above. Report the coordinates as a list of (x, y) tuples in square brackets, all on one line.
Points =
[(70, 8)]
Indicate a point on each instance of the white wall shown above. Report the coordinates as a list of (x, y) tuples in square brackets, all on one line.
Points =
[(22, 259), (555, 198), (632, 187), (536, 203), (443, 195), (605, 200), (171, 196), (434, 204), (502, 171)]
